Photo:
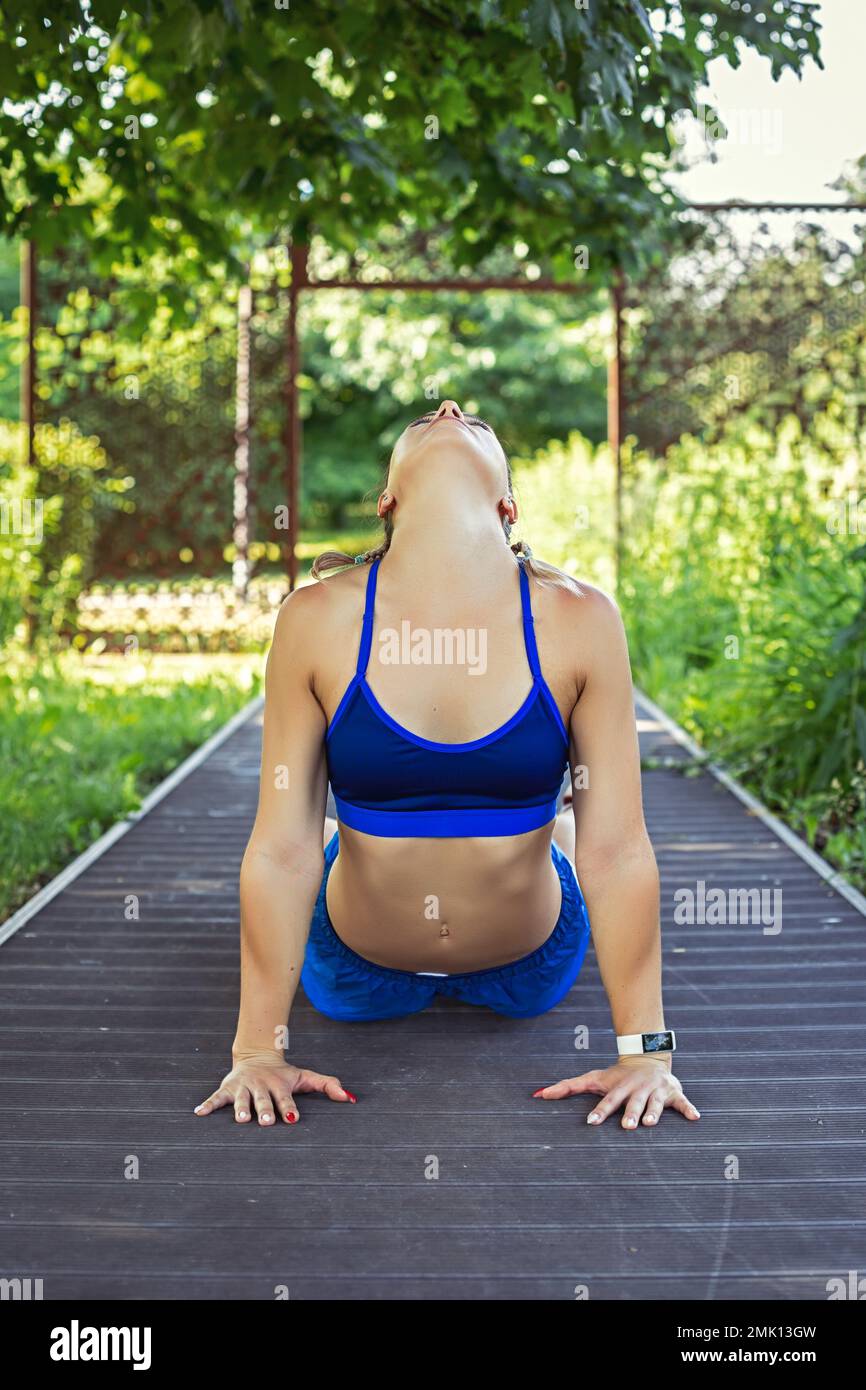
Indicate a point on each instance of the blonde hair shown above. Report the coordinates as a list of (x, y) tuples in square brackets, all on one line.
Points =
[(546, 574)]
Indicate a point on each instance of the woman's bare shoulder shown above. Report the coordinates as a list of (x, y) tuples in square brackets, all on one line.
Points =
[(581, 631), (316, 615), (579, 604)]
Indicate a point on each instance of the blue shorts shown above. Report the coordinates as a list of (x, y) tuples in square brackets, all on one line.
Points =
[(343, 985)]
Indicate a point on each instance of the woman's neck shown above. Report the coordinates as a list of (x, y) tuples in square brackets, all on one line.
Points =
[(448, 549)]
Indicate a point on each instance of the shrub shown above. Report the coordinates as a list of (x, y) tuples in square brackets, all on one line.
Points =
[(745, 602), (51, 513)]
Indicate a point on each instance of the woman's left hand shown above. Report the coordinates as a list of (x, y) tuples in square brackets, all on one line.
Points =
[(643, 1086)]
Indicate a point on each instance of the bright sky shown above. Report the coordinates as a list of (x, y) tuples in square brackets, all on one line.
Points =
[(789, 138)]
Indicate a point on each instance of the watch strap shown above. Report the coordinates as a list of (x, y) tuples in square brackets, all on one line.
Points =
[(636, 1044)]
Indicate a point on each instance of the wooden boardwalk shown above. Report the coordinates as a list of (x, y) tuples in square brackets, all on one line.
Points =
[(112, 1030)]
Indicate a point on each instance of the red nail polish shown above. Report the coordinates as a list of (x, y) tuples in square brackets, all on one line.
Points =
[(539, 1092), (292, 1119), (353, 1099)]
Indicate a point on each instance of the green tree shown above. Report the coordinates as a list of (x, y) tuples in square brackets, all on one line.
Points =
[(186, 124)]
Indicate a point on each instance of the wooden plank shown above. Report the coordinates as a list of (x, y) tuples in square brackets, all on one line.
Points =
[(281, 1251), (112, 1030)]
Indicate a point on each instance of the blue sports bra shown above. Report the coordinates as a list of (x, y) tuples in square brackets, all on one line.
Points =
[(387, 781)]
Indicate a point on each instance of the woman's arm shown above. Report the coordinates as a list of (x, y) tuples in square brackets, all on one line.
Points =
[(280, 876), (613, 855), (617, 870), (283, 863)]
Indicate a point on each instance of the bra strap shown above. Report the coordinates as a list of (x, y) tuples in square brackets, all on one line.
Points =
[(367, 626), (528, 623)]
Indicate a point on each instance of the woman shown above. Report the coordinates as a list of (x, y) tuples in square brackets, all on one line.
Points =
[(414, 682)]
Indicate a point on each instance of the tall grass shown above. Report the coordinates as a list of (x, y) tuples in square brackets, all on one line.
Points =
[(744, 597), (82, 740)]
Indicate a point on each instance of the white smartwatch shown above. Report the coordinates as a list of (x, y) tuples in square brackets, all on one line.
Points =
[(633, 1044)]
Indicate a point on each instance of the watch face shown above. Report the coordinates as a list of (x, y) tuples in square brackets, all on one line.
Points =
[(658, 1042)]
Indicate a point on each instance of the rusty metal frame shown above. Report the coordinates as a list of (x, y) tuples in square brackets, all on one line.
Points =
[(616, 402), (301, 283), (27, 295)]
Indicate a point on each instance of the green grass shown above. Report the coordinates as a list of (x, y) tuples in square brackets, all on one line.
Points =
[(83, 739)]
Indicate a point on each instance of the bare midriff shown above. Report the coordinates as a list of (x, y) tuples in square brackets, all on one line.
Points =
[(444, 905)]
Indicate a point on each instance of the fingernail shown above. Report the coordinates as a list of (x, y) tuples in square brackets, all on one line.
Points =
[(242, 1114), (197, 1109), (353, 1099), (266, 1119), (292, 1119), (630, 1123), (539, 1092), (593, 1119)]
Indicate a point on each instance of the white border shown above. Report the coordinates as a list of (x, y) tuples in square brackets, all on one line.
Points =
[(834, 877), (120, 828)]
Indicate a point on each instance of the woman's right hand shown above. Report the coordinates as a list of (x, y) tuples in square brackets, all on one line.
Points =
[(267, 1086)]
